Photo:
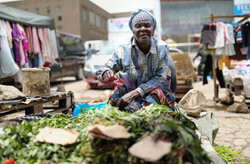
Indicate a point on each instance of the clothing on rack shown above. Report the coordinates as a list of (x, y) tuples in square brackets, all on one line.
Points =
[(35, 41), (222, 37), (228, 49), (50, 48), (25, 48), (208, 35), (16, 44), (208, 68), (54, 43), (22, 45), (245, 30), (8, 66), (28, 32)]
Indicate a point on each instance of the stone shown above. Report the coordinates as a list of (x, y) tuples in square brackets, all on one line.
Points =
[(239, 99), (243, 134), (10, 93), (240, 142), (227, 100), (246, 152), (238, 108)]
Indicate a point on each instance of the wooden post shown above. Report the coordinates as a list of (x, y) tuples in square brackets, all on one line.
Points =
[(216, 88)]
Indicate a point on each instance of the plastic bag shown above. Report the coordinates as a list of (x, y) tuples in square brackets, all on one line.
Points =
[(7, 65), (86, 107)]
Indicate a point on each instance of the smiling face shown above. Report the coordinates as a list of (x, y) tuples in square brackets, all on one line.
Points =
[(143, 32)]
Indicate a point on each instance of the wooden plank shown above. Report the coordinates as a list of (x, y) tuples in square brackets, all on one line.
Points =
[(66, 101), (228, 16), (34, 109), (32, 102), (183, 87), (181, 82)]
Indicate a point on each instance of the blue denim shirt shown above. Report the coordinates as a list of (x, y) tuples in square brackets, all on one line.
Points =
[(145, 71)]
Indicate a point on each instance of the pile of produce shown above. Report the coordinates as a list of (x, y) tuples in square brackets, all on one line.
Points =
[(156, 121), (230, 155)]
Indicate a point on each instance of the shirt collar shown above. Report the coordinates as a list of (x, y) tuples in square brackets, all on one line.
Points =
[(152, 47)]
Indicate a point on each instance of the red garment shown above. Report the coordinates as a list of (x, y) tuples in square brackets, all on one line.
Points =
[(30, 39)]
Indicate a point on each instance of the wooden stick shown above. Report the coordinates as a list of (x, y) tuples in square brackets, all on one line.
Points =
[(213, 64), (228, 16)]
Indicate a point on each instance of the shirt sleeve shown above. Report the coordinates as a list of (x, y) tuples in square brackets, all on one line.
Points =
[(159, 80), (114, 63)]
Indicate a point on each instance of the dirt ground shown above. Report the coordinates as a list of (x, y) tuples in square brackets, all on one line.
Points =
[(234, 129)]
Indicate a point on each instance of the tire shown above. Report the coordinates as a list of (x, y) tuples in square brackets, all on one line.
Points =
[(79, 74)]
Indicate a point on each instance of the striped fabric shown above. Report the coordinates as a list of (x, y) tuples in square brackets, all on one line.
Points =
[(123, 86)]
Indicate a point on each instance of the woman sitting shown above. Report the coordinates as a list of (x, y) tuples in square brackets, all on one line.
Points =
[(140, 68)]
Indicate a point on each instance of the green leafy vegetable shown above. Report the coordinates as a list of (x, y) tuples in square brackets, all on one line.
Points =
[(155, 120), (229, 154)]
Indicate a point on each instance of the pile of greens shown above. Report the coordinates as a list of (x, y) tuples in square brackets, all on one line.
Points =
[(155, 120), (230, 154)]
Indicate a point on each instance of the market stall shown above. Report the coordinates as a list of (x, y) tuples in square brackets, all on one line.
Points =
[(225, 43), (27, 40)]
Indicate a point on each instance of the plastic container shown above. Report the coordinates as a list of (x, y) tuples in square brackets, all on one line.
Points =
[(36, 81)]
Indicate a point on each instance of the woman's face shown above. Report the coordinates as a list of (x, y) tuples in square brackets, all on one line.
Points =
[(143, 31)]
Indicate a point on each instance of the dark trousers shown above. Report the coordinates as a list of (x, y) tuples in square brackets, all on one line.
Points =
[(208, 68), (35, 61)]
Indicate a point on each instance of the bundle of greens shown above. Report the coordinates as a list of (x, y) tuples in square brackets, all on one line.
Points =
[(230, 155), (157, 121)]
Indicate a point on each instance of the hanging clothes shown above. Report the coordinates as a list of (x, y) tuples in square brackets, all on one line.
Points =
[(29, 36), (208, 68), (35, 41), (8, 31), (222, 37), (16, 40), (248, 53), (228, 49), (208, 35), (245, 30), (54, 43), (22, 45), (224, 59), (7, 65), (44, 49), (50, 48)]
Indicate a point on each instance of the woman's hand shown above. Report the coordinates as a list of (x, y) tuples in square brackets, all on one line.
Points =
[(109, 76), (128, 98)]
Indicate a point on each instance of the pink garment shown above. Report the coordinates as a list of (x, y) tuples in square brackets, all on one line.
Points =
[(35, 41), (222, 36), (43, 46), (29, 39), (24, 41), (8, 31)]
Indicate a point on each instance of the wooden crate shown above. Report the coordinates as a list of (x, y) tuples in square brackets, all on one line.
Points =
[(183, 86), (59, 102)]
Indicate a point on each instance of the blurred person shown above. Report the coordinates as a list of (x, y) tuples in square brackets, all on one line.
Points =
[(90, 51), (140, 68)]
